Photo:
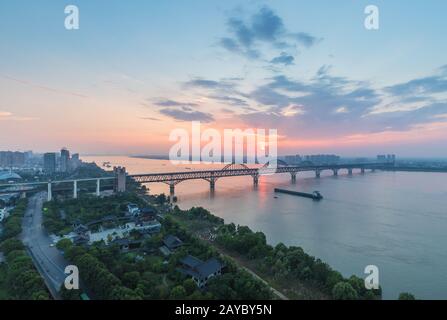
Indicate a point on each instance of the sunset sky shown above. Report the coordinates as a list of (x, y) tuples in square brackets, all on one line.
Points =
[(135, 70)]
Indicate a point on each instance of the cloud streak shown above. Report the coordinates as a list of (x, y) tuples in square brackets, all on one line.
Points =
[(264, 27), (331, 106), (9, 116), (187, 114)]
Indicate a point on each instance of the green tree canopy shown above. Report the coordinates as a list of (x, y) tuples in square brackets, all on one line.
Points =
[(344, 291), (406, 296)]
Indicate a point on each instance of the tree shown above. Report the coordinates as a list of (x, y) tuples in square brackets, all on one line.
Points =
[(10, 245), (190, 286), (178, 293), (161, 198), (131, 279), (344, 291), (64, 244), (406, 296), (123, 293), (69, 294)]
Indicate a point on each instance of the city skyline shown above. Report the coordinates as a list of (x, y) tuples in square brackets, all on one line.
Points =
[(134, 72)]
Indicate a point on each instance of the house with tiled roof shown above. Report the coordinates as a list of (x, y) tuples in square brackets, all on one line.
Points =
[(200, 271)]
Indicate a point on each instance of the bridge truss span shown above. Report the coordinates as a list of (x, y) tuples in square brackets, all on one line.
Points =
[(234, 170)]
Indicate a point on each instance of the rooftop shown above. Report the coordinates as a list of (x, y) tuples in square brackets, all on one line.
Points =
[(199, 269), (9, 176), (172, 242)]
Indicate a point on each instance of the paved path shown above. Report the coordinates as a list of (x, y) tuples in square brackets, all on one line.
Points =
[(276, 292), (48, 260), (251, 272)]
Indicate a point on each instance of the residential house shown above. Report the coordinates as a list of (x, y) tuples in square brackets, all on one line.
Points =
[(126, 244), (146, 216), (133, 210), (199, 270), (170, 244), (81, 239)]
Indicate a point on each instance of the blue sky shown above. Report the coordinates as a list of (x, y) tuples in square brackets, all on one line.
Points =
[(308, 68)]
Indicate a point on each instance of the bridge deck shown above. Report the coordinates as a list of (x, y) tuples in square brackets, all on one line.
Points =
[(215, 174), (228, 171)]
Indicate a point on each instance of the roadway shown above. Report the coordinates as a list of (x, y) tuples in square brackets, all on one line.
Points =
[(48, 260)]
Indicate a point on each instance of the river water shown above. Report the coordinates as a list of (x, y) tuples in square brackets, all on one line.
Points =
[(394, 220)]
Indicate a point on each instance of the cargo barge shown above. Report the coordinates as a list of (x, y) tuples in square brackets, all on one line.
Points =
[(314, 195)]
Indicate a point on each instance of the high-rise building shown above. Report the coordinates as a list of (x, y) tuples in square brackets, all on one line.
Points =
[(12, 159), (75, 162), (49, 162), (295, 159), (322, 159), (65, 160), (386, 158)]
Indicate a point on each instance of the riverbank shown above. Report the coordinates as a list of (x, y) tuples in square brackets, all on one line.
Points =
[(289, 270)]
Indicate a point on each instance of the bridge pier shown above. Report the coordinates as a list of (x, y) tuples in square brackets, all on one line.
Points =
[(172, 189), (373, 170), (98, 187), (317, 173), (293, 174), (49, 195), (255, 180), (75, 189), (350, 172), (362, 170), (212, 184), (335, 171)]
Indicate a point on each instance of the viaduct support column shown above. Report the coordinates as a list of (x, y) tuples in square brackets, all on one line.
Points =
[(293, 174), (98, 187), (335, 171), (317, 173), (75, 189), (171, 188), (350, 172), (120, 179), (49, 195), (362, 170)]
